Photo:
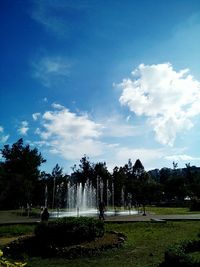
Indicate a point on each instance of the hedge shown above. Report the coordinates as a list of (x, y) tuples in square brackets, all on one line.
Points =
[(69, 231)]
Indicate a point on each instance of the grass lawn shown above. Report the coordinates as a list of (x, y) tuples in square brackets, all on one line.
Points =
[(145, 245), (12, 232), (169, 210)]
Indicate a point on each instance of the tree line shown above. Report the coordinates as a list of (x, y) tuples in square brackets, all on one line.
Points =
[(22, 182)]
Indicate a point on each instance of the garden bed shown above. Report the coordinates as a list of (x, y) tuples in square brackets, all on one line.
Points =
[(67, 238), (29, 245)]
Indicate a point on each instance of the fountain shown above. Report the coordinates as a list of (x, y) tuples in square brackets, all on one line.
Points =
[(83, 200)]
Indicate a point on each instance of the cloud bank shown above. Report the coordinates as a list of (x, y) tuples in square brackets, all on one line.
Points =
[(167, 98)]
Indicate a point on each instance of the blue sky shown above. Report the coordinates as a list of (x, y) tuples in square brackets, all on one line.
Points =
[(111, 79)]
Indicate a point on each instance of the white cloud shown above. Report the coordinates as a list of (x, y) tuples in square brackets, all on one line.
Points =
[(70, 135), (182, 157), (50, 70), (3, 137), (43, 13), (116, 127), (36, 116), (147, 156), (169, 99), (23, 128), (57, 106), (54, 15)]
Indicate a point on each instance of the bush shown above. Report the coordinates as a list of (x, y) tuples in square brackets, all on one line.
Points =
[(195, 205), (69, 231), (178, 256), (7, 263)]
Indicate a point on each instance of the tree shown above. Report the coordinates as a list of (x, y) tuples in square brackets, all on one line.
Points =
[(175, 186), (59, 184), (84, 172), (193, 182), (43, 186), (119, 178), (138, 168), (101, 176), (144, 187), (19, 175)]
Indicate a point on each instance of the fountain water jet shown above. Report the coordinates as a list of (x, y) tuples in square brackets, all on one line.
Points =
[(83, 199)]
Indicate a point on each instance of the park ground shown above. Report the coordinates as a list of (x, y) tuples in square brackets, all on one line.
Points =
[(147, 237)]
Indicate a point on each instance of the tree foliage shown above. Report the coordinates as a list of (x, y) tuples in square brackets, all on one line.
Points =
[(19, 174)]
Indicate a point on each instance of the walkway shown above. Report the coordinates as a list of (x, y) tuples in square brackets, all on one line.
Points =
[(152, 217), (11, 218)]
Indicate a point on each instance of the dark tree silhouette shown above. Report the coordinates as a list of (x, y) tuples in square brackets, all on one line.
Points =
[(58, 186), (19, 173)]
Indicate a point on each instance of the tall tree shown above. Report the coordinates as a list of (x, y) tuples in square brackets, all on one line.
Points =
[(84, 172), (20, 173), (59, 186), (144, 187), (119, 178)]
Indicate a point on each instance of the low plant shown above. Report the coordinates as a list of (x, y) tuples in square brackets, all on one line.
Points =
[(69, 231), (179, 254), (55, 237), (7, 263)]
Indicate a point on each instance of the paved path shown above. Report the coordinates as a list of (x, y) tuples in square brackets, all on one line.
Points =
[(152, 217), (12, 218)]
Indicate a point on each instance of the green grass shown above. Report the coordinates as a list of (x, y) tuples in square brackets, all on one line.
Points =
[(169, 210), (144, 247), (15, 230), (11, 232), (195, 255)]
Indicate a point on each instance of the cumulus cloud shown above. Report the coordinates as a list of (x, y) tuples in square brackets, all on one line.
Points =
[(49, 70), (69, 134), (167, 98), (23, 128)]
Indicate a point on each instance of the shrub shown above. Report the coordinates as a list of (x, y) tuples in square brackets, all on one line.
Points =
[(69, 231), (5, 262), (195, 205), (178, 256)]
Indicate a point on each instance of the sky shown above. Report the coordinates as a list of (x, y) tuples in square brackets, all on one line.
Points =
[(110, 79)]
